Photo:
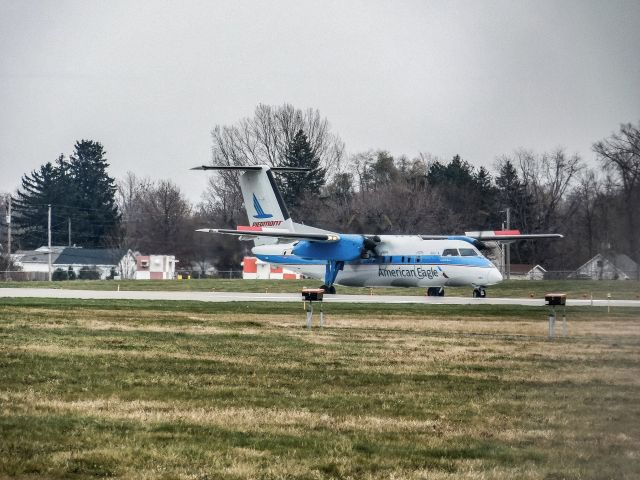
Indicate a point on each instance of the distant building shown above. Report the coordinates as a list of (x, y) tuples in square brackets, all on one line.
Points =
[(255, 269), (103, 260), (155, 267), (527, 272), (36, 261), (608, 267)]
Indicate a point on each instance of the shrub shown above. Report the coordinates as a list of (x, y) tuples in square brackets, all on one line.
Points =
[(87, 273), (59, 274)]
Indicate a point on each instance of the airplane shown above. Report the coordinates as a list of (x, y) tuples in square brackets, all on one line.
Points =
[(362, 260)]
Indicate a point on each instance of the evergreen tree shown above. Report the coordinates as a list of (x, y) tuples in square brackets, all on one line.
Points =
[(380, 172), (456, 184), (78, 190), (487, 198), (512, 193), (42, 187), (93, 195), (457, 172), (295, 186), (508, 183)]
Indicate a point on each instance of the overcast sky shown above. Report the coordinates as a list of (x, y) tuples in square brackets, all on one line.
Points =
[(150, 79)]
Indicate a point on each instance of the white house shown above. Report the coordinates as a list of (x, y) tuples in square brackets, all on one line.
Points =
[(102, 260), (527, 272), (36, 261), (608, 267)]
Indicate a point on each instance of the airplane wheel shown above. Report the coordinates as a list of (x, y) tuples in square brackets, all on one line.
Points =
[(479, 293), (435, 292), (332, 290)]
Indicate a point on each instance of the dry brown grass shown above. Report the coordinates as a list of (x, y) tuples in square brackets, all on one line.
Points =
[(153, 394)]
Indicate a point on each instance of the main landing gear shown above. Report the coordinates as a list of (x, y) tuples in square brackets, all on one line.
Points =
[(435, 292), (330, 274), (479, 292), (329, 289)]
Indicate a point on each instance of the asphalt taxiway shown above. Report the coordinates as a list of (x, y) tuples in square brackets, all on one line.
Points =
[(291, 297)]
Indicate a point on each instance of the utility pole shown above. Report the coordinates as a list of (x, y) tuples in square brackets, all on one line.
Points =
[(508, 245), (9, 237), (69, 218), (49, 235), (503, 253)]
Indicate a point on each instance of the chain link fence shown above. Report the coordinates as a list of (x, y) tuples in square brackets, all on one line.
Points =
[(94, 274)]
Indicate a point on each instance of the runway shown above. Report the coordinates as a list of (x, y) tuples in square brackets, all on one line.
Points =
[(291, 297)]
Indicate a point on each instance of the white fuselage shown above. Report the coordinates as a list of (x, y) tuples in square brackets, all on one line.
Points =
[(398, 261)]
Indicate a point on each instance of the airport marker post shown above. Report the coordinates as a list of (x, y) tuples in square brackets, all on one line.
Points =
[(310, 295), (553, 300)]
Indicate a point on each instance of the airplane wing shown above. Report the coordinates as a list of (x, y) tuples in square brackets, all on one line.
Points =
[(253, 232), (491, 238), (509, 235), (251, 167), (494, 236)]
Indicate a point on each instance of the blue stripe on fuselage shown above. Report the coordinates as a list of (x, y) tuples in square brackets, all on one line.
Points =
[(386, 260)]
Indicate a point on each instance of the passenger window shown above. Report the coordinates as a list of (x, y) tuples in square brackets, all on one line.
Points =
[(450, 252), (402, 261), (468, 252), (418, 259)]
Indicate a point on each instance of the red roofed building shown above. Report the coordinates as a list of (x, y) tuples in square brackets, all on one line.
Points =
[(255, 269), (155, 267)]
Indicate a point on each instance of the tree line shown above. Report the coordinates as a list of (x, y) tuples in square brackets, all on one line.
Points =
[(366, 192)]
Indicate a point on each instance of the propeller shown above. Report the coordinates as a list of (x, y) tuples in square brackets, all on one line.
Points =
[(369, 245)]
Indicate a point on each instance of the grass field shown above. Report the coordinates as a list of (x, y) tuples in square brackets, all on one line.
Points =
[(203, 391), (626, 290)]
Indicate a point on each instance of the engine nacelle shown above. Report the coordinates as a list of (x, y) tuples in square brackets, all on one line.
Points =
[(349, 247)]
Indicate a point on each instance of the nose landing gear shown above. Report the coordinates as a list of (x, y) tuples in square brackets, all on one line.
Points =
[(479, 292), (435, 292)]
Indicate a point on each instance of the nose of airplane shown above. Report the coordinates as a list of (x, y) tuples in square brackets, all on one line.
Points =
[(494, 276)]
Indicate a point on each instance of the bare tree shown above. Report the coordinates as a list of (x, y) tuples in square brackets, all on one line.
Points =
[(547, 178), (129, 195), (588, 192), (264, 139), (620, 154), (166, 222)]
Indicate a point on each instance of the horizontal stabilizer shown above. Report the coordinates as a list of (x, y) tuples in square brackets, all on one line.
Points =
[(250, 167), (254, 232)]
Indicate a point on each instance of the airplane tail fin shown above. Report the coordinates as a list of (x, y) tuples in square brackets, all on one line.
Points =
[(262, 199)]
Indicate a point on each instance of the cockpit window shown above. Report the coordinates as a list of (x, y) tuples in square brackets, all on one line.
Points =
[(450, 252), (468, 252)]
